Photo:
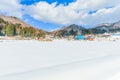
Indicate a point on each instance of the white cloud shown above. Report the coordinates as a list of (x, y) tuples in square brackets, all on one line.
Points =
[(76, 12), (11, 7), (103, 15)]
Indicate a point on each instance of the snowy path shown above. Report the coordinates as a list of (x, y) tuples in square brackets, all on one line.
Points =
[(59, 60)]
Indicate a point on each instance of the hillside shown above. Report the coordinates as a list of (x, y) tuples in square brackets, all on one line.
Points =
[(71, 30), (107, 27), (12, 26), (14, 20)]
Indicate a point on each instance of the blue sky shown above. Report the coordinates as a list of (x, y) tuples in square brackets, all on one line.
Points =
[(53, 14), (40, 24), (30, 2)]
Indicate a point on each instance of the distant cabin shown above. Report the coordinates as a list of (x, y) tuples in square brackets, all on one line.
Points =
[(80, 37)]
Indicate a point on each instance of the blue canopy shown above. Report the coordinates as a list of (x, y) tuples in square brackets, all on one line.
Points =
[(80, 37)]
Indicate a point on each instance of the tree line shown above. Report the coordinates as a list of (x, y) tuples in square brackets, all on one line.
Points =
[(9, 29)]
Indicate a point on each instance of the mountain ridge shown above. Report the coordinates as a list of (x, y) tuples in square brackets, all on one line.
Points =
[(70, 30), (98, 29), (14, 20), (107, 27), (12, 26)]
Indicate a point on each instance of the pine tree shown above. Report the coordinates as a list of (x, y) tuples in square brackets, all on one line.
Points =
[(10, 30)]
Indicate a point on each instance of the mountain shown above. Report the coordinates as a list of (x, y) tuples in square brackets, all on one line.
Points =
[(12, 26), (116, 25), (77, 30), (106, 27), (14, 20), (69, 30)]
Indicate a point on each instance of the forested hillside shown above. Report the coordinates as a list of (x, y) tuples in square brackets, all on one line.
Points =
[(16, 29)]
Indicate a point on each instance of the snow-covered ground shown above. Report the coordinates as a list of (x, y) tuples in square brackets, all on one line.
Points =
[(59, 60)]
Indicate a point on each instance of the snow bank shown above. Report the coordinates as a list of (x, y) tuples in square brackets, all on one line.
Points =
[(59, 60)]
